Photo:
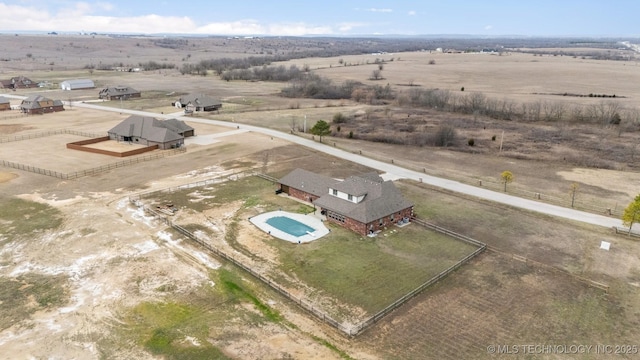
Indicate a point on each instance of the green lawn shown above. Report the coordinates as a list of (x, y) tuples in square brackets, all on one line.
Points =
[(369, 273)]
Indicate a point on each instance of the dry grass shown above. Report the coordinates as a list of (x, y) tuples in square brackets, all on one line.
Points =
[(495, 299)]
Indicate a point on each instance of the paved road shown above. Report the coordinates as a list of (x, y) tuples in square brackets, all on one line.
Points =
[(392, 171)]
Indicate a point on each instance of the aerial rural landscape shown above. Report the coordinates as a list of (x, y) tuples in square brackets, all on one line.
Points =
[(197, 196)]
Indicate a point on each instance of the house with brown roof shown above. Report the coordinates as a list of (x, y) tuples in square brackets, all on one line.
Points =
[(119, 92), (363, 203), (198, 102), (149, 131), (5, 104), (18, 82), (38, 104)]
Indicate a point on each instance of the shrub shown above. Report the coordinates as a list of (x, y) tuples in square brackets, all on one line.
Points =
[(350, 134), (471, 142), (462, 88), (339, 118), (493, 138), (444, 136)]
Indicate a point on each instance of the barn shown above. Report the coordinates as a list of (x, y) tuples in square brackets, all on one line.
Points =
[(362, 203), (77, 84)]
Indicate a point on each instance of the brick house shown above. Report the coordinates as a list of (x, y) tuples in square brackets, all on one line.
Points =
[(37, 104), (119, 92), (198, 102), (5, 104), (363, 203), (18, 82)]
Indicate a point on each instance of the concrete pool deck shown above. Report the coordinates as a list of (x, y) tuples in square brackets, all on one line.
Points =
[(310, 220)]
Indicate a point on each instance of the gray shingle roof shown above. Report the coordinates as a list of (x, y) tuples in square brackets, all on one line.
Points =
[(33, 102), (145, 127), (200, 100), (4, 100), (312, 183), (118, 90), (177, 126), (381, 198)]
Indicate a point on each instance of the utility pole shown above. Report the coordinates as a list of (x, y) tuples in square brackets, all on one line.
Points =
[(304, 128)]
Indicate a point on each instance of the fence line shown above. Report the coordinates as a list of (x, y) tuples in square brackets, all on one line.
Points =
[(48, 133), (92, 171), (307, 306), (230, 258), (494, 185)]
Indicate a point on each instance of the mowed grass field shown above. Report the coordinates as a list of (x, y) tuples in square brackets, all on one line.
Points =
[(368, 273)]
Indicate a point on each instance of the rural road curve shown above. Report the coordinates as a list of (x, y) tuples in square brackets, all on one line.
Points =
[(393, 171)]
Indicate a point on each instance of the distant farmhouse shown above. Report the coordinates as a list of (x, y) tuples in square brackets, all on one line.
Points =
[(18, 82), (119, 92), (150, 131), (5, 104), (37, 104), (198, 102), (77, 84), (364, 203)]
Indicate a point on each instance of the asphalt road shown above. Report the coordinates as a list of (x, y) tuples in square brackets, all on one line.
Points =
[(392, 171)]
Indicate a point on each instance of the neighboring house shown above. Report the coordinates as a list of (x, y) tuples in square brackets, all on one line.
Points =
[(150, 131), (18, 82), (362, 203), (5, 104), (198, 102), (37, 104), (119, 92), (77, 84)]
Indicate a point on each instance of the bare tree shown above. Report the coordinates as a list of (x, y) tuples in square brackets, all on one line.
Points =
[(376, 74)]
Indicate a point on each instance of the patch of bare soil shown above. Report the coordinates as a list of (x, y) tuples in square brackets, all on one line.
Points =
[(116, 257), (7, 176), (8, 129)]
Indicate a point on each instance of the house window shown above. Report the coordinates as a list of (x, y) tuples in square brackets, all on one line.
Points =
[(350, 197), (335, 192)]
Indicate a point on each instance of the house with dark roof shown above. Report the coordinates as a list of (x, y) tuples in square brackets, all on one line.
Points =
[(149, 131), (119, 92), (18, 82), (38, 104), (363, 203), (198, 102), (5, 104)]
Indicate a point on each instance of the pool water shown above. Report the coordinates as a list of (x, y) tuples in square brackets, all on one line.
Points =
[(289, 225)]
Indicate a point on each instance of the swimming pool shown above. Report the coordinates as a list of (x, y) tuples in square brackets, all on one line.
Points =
[(290, 226), (296, 228)]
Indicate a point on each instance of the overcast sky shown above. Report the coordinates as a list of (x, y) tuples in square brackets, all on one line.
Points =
[(327, 17)]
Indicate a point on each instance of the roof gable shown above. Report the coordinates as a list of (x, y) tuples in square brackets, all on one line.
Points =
[(200, 100), (146, 127)]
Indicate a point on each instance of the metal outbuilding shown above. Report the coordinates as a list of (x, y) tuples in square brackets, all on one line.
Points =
[(77, 84)]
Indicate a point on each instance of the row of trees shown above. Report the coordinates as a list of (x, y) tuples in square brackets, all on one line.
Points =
[(604, 112)]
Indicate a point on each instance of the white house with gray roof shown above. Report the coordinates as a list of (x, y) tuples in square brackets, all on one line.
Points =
[(198, 102), (362, 203), (149, 131)]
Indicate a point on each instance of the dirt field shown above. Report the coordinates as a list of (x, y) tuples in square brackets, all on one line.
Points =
[(88, 276)]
